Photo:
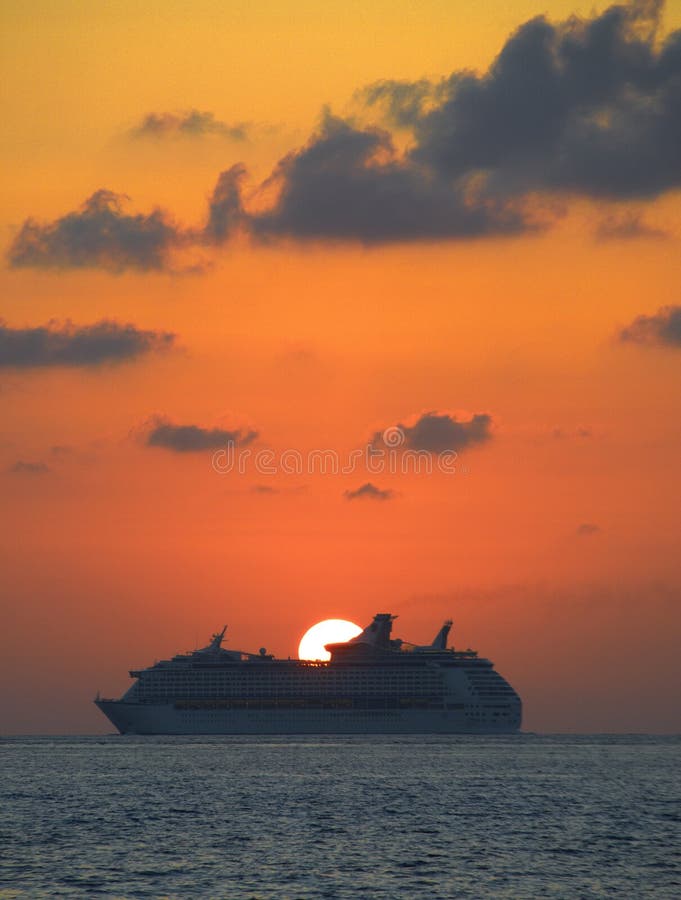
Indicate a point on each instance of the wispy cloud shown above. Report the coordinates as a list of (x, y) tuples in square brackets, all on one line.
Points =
[(67, 344), (194, 438), (98, 235), (437, 432), (588, 529), (627, 227), (21, 467), (191, 123), (225, 208), (369, 491), (662, 329), (582, 432)]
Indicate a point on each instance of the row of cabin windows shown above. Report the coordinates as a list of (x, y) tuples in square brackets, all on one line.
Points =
[(314, 684), (301, 679), (219, 692)]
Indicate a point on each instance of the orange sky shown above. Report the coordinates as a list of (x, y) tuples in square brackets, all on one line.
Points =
[(554, 546)]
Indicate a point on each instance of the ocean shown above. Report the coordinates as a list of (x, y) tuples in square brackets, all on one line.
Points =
[(524, 816)]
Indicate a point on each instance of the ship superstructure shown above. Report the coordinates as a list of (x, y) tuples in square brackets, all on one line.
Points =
[(373, 684)]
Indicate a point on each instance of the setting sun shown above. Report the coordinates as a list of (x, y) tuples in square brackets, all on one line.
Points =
[(330, 631)]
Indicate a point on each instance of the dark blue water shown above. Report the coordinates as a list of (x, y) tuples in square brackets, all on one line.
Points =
[(441, 817)]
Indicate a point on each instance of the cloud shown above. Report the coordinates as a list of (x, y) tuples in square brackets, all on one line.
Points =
[(627, 227), (588, 106), (403, 102), (437, 433), (588, 529), (267, 490), (369, 491), (349, 184), (67, 344), (98, 235), (663, 329), (193, 438), (581, 432), (192, 123), (61, 450), (225, 209), (20, 467)]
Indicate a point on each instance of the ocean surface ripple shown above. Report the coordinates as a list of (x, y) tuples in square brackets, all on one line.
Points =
[(526, 816)]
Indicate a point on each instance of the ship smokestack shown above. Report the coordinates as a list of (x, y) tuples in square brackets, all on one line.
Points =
[(377, 634)]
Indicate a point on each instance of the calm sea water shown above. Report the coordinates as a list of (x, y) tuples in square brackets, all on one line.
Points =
[(442, 817)]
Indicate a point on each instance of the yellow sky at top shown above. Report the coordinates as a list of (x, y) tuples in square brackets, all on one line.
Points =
[(75, 75)]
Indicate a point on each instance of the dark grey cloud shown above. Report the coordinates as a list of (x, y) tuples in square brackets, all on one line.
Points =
[(438, 432), (588, 529), (663, 329), (98, 235), (67, 344), (194, 438), (629, 226), (191, 123), (225, 209), (589, 106), (369, 491), (349, 183), (21, 467)]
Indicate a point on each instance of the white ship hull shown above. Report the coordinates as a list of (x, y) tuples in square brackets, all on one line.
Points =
[(148, 718)]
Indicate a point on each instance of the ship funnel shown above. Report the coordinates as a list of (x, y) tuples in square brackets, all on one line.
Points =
[(440, 639), (378, 633)]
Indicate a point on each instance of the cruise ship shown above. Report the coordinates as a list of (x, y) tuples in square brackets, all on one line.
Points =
[(373, 684)]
